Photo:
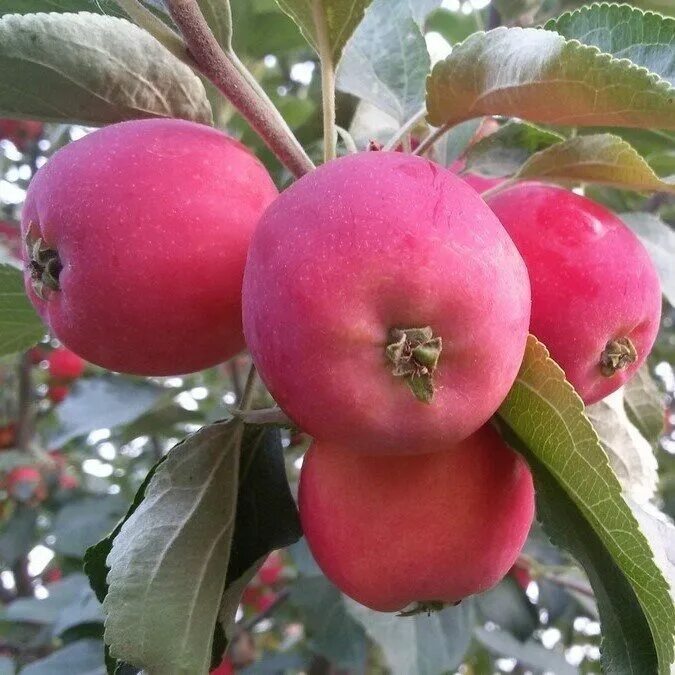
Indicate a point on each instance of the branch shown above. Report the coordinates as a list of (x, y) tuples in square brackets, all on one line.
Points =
[(536, 571), (222, 69), (431, 139), (24, 431)]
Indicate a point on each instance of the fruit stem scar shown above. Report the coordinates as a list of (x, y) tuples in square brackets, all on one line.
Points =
[(414, 354), (617, 355), (43, 264)]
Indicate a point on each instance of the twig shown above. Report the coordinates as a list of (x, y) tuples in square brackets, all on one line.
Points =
[(226, 75), (491, 192), (536, 571), (405, 129), (429, 141), (24, 431), (327, 80), (251, 623)]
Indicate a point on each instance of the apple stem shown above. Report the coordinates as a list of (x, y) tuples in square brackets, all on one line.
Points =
[(405, 129), (327, 80), (414, 354), (225, 71), (429, 141), (617, 355)]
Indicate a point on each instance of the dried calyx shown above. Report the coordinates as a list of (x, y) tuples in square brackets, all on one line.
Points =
[(43, 263), (617, 355), (414, 354)]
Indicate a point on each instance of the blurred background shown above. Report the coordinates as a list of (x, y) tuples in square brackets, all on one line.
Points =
[(76, 442)]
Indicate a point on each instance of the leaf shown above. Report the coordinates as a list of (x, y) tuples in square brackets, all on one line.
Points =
[(421, 9), (341, 18), (455, 142), (101, 403), (47, 610), (659, 240), (386, 60), (17, 534), (599, 158), (20, 326), (503, 152), (660, 532), (84, 609), (84, 657), (82, 522), (369, 123), (530, 655), (507, 606), (419, 645), (109, 7), (630, 454), (625, 32), (219, 18), (539, 76), (332, 631), (645, 404), (92, 69), (266, 518), (168, 561), (7, 665), (580, 504)]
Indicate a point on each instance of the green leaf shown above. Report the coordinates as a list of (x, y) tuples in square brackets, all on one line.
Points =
[(386, 60), (82, 522), (332, 632), (168, 561), (630, 454), (625, 32), (84, 657), (659, 240), (540, 76), (109, 7), (267, 517), (47, 610), (84, 610), (454, 143), (218, 16), (530, 655), (421, 644), (600, 158), (507, 606), (645, 404), (17, 534), (580, 504), (453, 26), (92, 69), (20, 326), (369, 123), (503, 152), (102, 403), (341, 18)]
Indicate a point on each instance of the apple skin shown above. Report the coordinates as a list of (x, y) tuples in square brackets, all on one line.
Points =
[(365, 244), (592, 281), (151, 221), (392, 531)]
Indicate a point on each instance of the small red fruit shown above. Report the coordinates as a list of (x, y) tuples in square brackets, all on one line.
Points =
[(51, 575), (251, 595), (25, 484), (266, 600), (225, 668), (137, 238), (64, 365), (428, 529), (521, 576), (596, 297), (384, 306), (271, 569), (57, 392), (7, 435), (20, 132), (10, 238)]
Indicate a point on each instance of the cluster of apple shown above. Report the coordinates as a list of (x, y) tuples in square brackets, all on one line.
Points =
[(386, 306)]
